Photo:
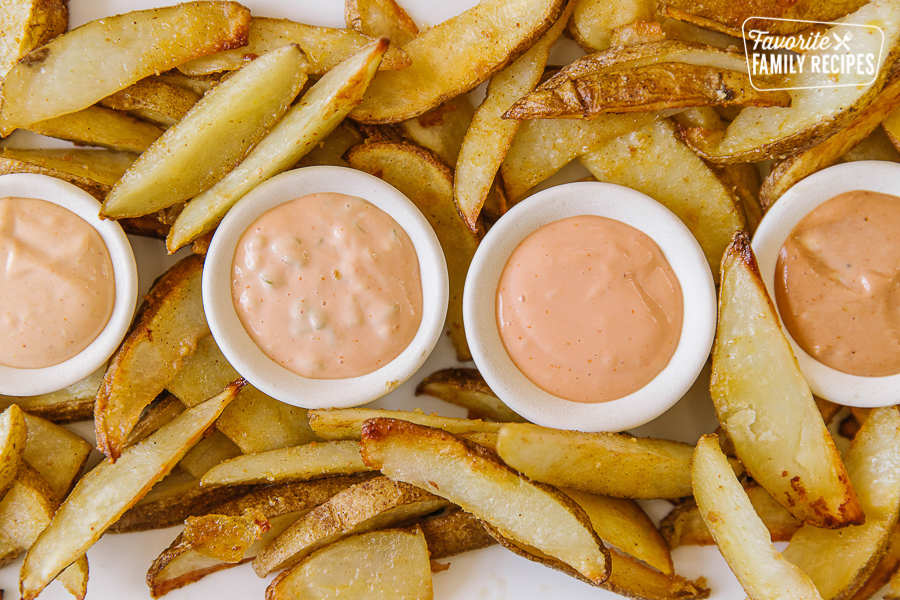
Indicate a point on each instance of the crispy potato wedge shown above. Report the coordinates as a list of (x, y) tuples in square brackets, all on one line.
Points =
[(454, 532), (225, 538), (740, 534), (74, 403), (41, 85), (380, 18), (803, 164), (199, 84), (324, 47), (873, 464), (102, 167), (815, 114), (154, 100), (298, 463), (455, 56), (765, 405), (347, 423), (428, 182), (56, 453), (488, 136), (164, 409), (441, 129), (684, 526), (98, 126), (611, 464), (474, 478), (27, 24), (891, 127), (166, 329), (592, 21), (212, 138), (883, 573), (541, 147), (212, 450), (698, 195), (105, 493), (13, 434), (331, 150), (877, 146), (621, 522), (637, 32), (180, 564), (467, 388), (308, 122), (374, 504), (397, 566)]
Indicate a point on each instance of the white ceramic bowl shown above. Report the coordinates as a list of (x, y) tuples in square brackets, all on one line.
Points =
[(31, 382), (240, 349), (780, 219), (680, 249)]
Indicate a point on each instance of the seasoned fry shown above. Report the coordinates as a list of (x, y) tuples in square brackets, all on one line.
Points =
[(377, 18), (877, 146), (166, 329), (320, 111), (330, 151), (56, 453), (98, 126), (489, 136), (883, 573), (212, 138), (366, 506), (325, 48), (27, 24), (225, 538), (41, 85), (298, 463), (428, 182), (13, 434), (212, 450), (592, 21), (741, 536), (757, 388), (110, 489), (102, 167), (466, 388), (455, 56), (153, 100), (454, 533), (474, 478), (162, 411), (347, 423), (398, 567), (442, 129)]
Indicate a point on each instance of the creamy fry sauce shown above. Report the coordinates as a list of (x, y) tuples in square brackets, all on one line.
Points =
[(57, 288), (589, 309), (837, 283), (328, 286)]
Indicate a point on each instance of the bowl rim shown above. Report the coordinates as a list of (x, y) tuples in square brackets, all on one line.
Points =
[(776, 225), (680, 248), (243, 353), (32, 382)]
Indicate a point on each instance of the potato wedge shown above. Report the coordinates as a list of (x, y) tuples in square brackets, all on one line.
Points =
[(102, 167), (225, 538), (199, 84), (74, 403), (637, 32), (212, 138), (622, 523), (13, 434), (298, 463), (799, 166), (466, 388), (877, 146), (398, 566), (153, 100), (740, 534), (104, 494), (455, 56), (163, 410), (212, 450), (41, 85), (331, 150), (611, 464), (592, 21), (180, 564), (684, 526), (98, 126), (454, 533), (380, 18), (474, 478), (27, 24), (428, 182), (441, 129), (765, 405), (166, 329), (347, 423), (488, 136), (698, 195), (873, 464), (374, 504), (324, 47), (815, 114), (308, 122), (56, 453), (883, 573)]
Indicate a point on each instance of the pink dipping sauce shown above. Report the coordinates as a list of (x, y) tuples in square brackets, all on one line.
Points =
[(328, 286), (589, 309), (57, 288)]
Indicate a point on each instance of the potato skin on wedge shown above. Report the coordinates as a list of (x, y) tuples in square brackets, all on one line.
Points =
[(473, 477)]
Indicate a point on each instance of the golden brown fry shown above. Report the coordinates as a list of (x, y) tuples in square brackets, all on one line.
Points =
[(56, 453), (212, 450), (428, 182), (13, 434), (98, 126), (74, 403), (883, 573), (878, 146), (330, 151), (466, 388), (347, 423), (454, 533), (99, 168), (380, 18), (637, 32), (441, 129), (166, 329), (163, 410), (225, 538), (27, 24), (154, 100), (592, 22)]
